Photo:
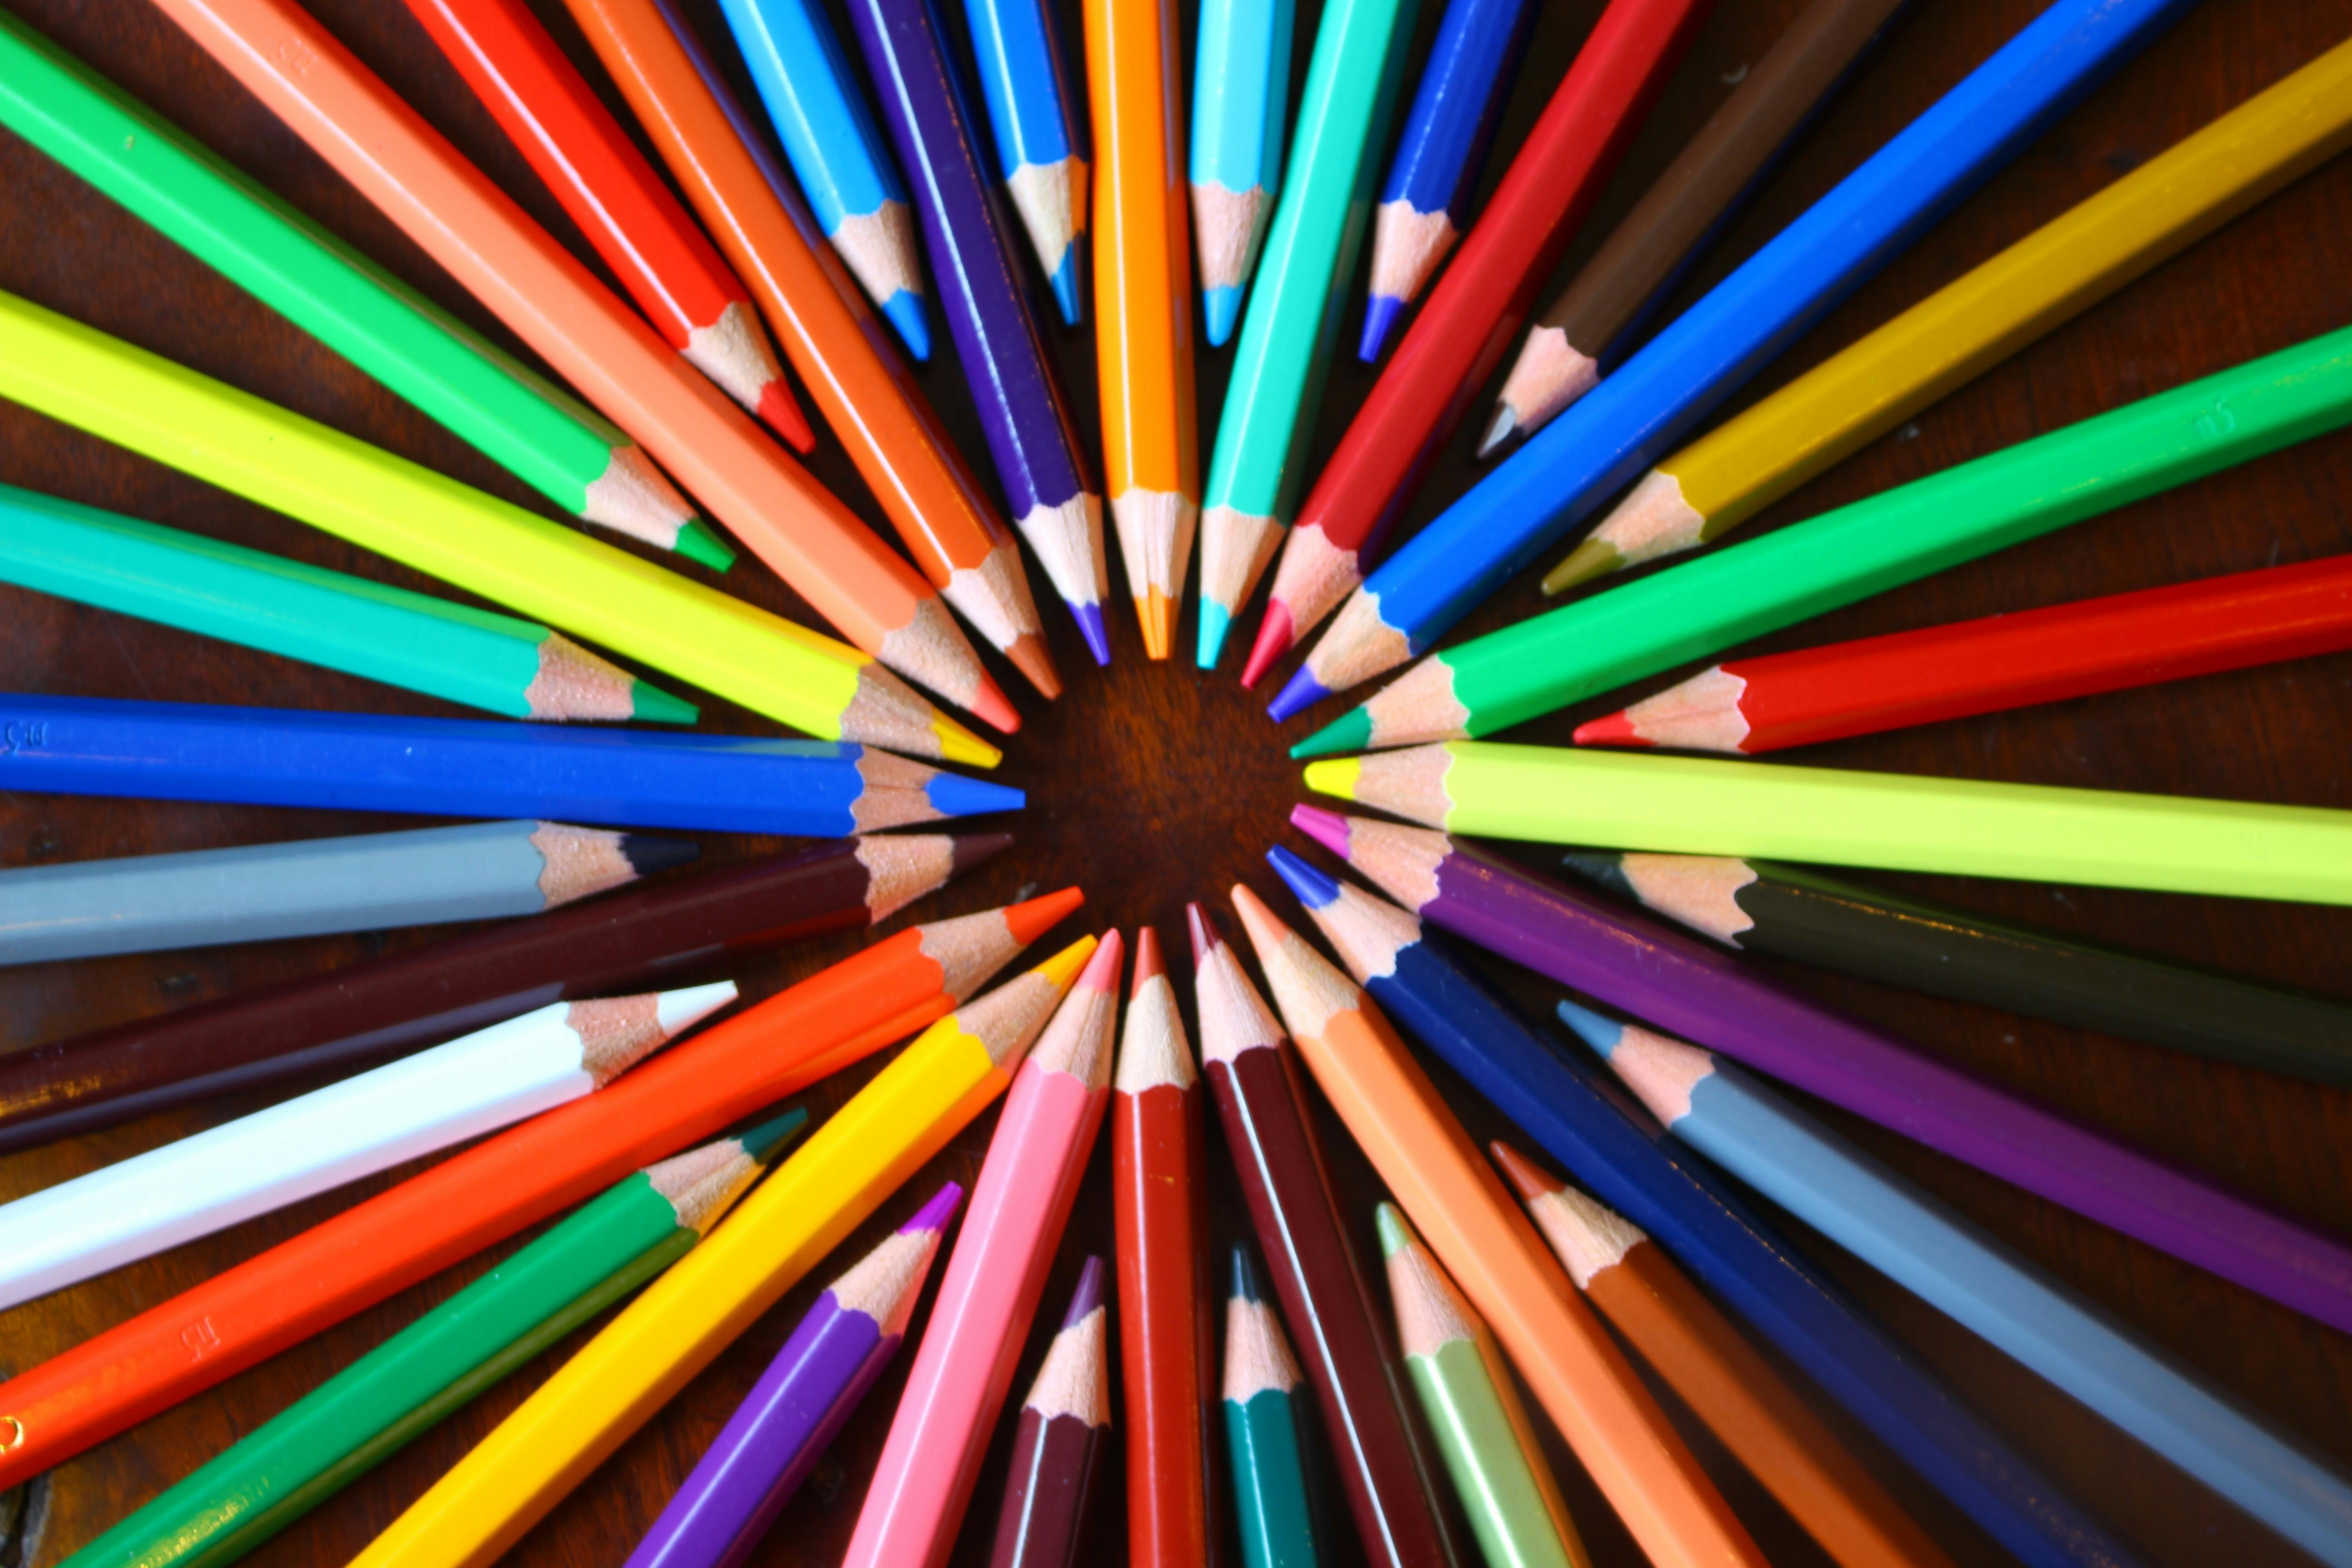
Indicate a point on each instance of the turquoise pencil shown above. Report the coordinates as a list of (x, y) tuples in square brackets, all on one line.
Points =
[(1040, 151), (1241, 93)]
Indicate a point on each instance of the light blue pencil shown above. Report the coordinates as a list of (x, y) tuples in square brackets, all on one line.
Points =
[(1240, 89), (1039, 149), (1736, 1120), (844, 165)]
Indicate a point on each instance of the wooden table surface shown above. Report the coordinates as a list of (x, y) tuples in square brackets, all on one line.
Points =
[(1150, 785)]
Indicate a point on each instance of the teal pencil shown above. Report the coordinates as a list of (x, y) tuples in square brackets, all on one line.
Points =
[(1241, 95), (1263, 1434)]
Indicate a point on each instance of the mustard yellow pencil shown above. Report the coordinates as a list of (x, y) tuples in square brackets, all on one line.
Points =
[(575, 1420), (344, 486)]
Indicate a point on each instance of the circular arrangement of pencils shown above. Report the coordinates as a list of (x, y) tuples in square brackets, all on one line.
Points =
[(652, 915)]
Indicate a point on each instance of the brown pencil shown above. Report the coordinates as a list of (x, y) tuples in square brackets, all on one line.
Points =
[(1059, 1438)]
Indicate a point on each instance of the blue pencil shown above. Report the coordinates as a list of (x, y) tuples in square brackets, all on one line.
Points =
[(1609, 438), (1022, 409), (471, 767), (1746, 1128), (1039, 149), (1566, 1108), (1424, 205), (844, 167), (1241, 91)]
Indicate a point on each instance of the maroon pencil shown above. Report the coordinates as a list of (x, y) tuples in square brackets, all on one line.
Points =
[(1057, 1447)]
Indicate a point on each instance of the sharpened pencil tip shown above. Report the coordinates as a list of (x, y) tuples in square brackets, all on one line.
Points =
[(1088, 1294), (780, 412), (699, 543), (1396, 1235), (1327, 829), (993, 708), (1601, 867), (1202, 925), (1220, 308), (1215, 622), (1299, 693), (1028, 655), (1593, 558), (1610, 730), (1499, 429), (906, 313), (1337, 776), (652, 705), (1381, 312), (1350, 731), (647, 855), (1033, 918), (1312, 887), (935, 1214), (1096, 632), (1529, 1179), (1066, 286), (952, 794), (974, 850), (958, 744), (1245, 1286), (1602, 1034), (1275, 633), (769, 1137)]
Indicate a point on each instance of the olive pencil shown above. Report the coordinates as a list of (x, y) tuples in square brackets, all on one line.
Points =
[(1035, 114), (1265, 1429), (1059, 1437)]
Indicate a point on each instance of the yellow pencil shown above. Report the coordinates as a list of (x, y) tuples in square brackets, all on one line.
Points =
[(386, 503), (1953, 335), (575, 1420)]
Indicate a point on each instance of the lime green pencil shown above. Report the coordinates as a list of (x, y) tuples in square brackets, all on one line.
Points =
[(1291, 329), (1707, 805), (387, 504), (543, 435), (381, 1403)]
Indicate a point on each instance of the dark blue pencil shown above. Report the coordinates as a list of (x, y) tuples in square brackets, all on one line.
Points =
[(472, 767), (1424, 205), (1630, 1166), (1022, 409)]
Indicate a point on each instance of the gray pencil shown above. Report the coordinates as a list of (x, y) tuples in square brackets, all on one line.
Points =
[(369, 882)]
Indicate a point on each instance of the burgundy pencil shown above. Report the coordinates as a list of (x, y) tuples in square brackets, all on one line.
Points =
[(1983, 665), (1385, 1461), (1058, 1444), (1481, 301)]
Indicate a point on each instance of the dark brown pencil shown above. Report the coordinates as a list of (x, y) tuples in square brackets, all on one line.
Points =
[(1057, 1446), (644, 938)]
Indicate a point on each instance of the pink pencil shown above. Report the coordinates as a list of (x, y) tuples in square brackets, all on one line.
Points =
[(964, 1368)]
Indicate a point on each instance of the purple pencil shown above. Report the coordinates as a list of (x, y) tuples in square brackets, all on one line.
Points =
[(1057, 1447), (986, 299), (774, 1439), (1685, 987)]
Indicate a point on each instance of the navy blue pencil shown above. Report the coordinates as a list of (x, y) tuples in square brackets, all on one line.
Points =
[(1424, 206), (1628, 1165), (472, 767), (989, 309)]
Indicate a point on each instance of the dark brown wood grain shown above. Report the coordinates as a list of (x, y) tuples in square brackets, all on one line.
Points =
[(1152, 784)]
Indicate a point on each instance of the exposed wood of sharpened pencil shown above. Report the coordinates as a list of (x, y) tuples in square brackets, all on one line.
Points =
[(1059, 1438)]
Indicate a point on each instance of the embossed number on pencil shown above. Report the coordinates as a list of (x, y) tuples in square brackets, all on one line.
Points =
[(23, 735)]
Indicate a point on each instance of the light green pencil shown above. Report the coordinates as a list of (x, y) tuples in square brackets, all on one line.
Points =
[(1291, 327), (542, 435), (1705, 806)]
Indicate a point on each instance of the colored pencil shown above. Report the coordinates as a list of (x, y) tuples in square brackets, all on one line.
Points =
[(1577, 1373), (1291, 331), (1708, 805), (438, 1363), (327, 618), (1953, 671), (1425, 204), (1964, 1272), (1473, 314), (631, 220), (1241, 97), (1168, 1368), (1490, 1447), (413, 515), (472, 767), (1034, 114), (1609, 435), (1797, 912), (1024, 412), (482, 1194), (1716, 483), (550, 301), (886, 1131), (1265, 1429), (905, 457), (1704, 994), (473, 389), (1143, 306), (1558, 1101), (360, 1014), (1615, 295), (996, 1278), (1384, 1468), (819, 111), (1058, 1441), (782, 1428), (263, 892), (1696, 607)]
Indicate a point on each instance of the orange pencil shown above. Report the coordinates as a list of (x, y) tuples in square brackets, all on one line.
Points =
[(1143, 302), (1461, 1208), (580, 150), (604, 349), (820, 316)]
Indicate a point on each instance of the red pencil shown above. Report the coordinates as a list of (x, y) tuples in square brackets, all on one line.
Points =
[(1983, 665), (667, 265), (1481, 301)]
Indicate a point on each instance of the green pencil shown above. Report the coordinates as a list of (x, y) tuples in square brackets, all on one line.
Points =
[(475, 657), (1809, 568), (544, 436), (1515, 1505), (1899, 821), (1291, 327), (377, 1406), (1264, 1432)]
